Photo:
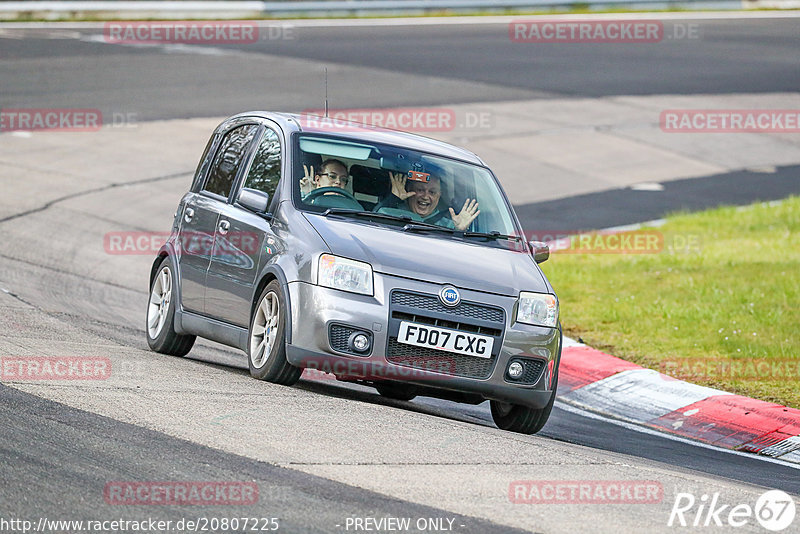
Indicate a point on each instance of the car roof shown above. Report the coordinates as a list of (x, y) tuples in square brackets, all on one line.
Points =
[(291, 122)]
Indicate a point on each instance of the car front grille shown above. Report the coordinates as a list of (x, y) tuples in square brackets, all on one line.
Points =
[(439, 361), (432, 303), (471, 317), (444, 323)]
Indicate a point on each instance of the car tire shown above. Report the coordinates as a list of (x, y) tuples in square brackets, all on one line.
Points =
[(160, 324), (521, 419), (266, 342), (396, 391)]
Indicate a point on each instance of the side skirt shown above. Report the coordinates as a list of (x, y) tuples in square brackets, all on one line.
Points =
[(208, 328)]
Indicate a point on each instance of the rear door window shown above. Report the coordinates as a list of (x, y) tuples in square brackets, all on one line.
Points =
[(229, 158), (265, 171)]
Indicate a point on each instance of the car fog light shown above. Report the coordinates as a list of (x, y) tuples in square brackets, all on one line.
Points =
[(515, 370), (360, 342)]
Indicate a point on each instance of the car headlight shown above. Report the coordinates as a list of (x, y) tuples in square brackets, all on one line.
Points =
[(540, 309), (344, 274)]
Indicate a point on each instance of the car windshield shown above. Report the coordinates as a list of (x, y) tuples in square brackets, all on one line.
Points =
[(402, 188)]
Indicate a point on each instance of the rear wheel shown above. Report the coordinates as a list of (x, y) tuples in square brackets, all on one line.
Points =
[(396, 391), (160, 328), (266, 346)]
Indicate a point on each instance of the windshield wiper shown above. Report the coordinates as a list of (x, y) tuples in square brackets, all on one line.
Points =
[(494, 234), (422, 227), (417, 226), (411, 223)]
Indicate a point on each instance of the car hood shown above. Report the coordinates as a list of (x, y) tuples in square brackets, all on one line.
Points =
[(431, 259)]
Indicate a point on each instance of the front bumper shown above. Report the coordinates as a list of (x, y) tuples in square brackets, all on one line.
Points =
[(315, 309)]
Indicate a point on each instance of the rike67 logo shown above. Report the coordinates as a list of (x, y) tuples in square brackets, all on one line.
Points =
[(774, 510)]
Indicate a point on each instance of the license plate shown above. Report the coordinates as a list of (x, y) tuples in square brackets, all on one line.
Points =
[(433, 337)]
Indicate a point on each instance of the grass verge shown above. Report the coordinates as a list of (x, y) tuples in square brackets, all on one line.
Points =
[(718, 305)]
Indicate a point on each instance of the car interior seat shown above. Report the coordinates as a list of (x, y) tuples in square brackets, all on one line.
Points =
[(369, 185)]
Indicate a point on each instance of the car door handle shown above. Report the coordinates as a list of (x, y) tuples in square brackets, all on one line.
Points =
[(224, 226), (188, 214)]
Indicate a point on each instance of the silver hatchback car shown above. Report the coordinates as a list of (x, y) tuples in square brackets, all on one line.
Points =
[(380, 257)]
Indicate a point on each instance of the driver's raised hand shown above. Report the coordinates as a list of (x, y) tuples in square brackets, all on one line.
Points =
[(399, 186), (307, 181)]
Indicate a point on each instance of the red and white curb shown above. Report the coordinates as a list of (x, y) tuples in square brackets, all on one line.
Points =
[(599, 382)]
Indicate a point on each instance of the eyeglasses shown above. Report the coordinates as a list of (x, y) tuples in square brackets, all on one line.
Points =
[(333, 176)]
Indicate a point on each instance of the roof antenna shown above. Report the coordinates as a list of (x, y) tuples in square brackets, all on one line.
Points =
[(326, 92)]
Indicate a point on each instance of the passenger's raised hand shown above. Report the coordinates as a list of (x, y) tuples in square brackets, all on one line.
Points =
[(468, 213), (399, 186)]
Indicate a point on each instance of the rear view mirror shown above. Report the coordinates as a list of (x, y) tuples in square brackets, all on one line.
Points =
[(254, 200), (336, 148), (540, 251)]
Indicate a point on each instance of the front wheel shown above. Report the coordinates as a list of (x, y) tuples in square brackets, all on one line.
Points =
[(516, 418), (266, 346), (161, 335)]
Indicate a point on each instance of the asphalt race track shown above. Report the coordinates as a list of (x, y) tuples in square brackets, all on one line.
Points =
[(390, 65), (322, 451)]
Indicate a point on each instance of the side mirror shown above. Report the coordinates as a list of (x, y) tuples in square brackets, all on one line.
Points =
[(253, 200), (540, 251)]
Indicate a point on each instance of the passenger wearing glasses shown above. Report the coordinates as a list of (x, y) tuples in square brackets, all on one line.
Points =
[(333, 173)]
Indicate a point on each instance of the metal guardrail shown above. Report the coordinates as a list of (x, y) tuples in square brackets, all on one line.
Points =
[(288, 6), (199, 9), (301, 5)]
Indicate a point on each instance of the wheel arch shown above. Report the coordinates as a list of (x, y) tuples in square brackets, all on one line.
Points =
[(168, 251), (156, 263), (274, 272)]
